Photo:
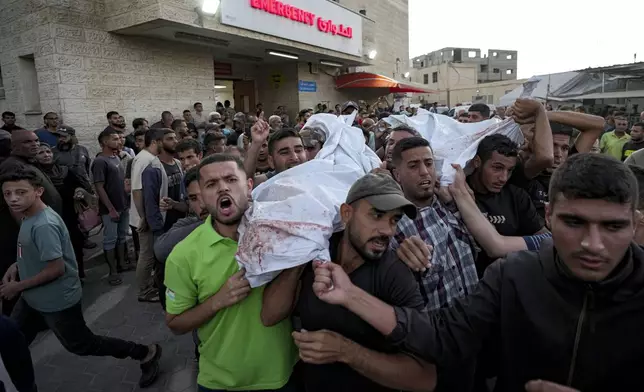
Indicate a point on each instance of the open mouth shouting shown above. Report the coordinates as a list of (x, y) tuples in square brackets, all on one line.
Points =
[(225, 206)]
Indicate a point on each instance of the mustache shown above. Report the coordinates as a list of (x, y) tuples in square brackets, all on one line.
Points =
[(382, 238)]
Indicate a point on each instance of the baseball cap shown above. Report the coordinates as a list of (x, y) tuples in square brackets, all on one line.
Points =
[(311, 137), (382, 192), (65, 130)]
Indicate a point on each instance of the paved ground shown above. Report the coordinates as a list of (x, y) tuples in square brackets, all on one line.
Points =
[(114, 311)]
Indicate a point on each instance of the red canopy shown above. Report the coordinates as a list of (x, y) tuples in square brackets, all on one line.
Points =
[(370, 80)]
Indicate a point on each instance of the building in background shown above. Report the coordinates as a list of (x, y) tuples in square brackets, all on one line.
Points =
[(465, 75), (495, 65), (84, 58)]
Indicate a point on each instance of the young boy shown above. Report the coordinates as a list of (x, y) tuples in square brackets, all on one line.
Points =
[(49, 285)]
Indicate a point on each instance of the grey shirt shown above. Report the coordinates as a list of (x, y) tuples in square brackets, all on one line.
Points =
[(43, 238), (108, 171), (177, 233)]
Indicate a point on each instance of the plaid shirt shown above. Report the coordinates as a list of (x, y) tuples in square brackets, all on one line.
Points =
[(453, 273)]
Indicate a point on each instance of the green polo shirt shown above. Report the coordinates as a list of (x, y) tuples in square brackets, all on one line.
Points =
[(237, 352), (612, 144)]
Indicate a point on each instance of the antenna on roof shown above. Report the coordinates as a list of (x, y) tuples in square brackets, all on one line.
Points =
[(635, 58)]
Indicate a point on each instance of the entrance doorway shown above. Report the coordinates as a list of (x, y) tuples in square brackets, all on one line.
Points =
[(244, 93)]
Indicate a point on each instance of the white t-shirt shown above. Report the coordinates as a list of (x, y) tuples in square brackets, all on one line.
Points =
[(140, 162)]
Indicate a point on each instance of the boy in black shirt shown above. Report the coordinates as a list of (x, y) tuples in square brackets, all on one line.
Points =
[(507, 207)]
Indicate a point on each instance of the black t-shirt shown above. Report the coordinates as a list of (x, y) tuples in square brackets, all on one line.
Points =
[(511, 212), (630, 147), (107, 170), (174, 192), (389, 280)]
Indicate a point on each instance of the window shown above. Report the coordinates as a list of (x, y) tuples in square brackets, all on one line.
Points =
[(496, 70), (422, 64), (2, 96), (441, 53), (484, 67), (508, 57), (471, 54), (509, 71), (434, 77), (29, 83), (452, 53), (495, 54)]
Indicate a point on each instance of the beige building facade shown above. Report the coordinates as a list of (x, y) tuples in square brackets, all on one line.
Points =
[(83, 58), (456, 83)]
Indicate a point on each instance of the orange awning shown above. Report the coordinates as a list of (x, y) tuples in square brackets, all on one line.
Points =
[(370, 80)]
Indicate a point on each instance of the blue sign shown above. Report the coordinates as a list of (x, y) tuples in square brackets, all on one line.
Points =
[(306, 86)]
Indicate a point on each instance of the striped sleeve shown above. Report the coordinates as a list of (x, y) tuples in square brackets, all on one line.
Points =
[(533, 242)]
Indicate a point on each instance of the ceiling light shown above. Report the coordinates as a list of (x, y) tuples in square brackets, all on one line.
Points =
[(209, 7), (219, 86), (406, 75), (281, 54), (330, 63), (372, 55)]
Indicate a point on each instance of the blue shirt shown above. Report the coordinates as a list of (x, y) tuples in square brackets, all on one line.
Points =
[(47, 137), (44, 238)]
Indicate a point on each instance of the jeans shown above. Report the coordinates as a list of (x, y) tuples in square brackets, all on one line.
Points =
[(145, 265), (115, 232), (16, 357), (72, 332), (291, 386)]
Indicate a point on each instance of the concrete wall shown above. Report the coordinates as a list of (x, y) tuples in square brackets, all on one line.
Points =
[(489, 93)]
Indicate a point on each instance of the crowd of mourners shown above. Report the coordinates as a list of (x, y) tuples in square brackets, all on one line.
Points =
[(526, 273)]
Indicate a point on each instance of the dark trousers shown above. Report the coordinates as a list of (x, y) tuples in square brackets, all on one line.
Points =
[(77, 238), (135, 240), (16, 357), (71, 330), (159, 278)]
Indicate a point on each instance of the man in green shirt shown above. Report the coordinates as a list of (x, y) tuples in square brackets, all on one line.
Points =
[(207, 291), (612, 143)]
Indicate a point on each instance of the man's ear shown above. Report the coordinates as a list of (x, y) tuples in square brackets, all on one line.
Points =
[(548, 215), (346, 211), (396, 174), (476, 162)]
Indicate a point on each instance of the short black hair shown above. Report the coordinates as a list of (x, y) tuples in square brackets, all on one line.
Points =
[(140, 132), (47, 114), (213, 137), (155, 135), (165, 113), (189, 144), (496, 143), (219, 158), (595, 177), (177, 123), (408, 144), (283, 133), (195, 105), (8, 114), (25, 173), (639, 124), (561, 129), (105, 134), (481, 108), (226, 103), (186, 111), (138, 122), (406, 128), (191, 176), (110, 114)]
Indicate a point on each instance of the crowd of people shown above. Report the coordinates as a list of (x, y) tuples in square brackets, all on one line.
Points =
[(524, 274)]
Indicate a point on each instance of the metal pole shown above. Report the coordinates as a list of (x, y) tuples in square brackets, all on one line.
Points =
[(603, 81)]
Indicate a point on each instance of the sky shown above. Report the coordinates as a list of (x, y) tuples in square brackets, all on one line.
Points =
[(550, 35)]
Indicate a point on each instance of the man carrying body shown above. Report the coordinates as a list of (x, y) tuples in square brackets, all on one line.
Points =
[(508, 207), (478, 112), (591, 266), (237, 351), (339, 353), (285, 150)]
